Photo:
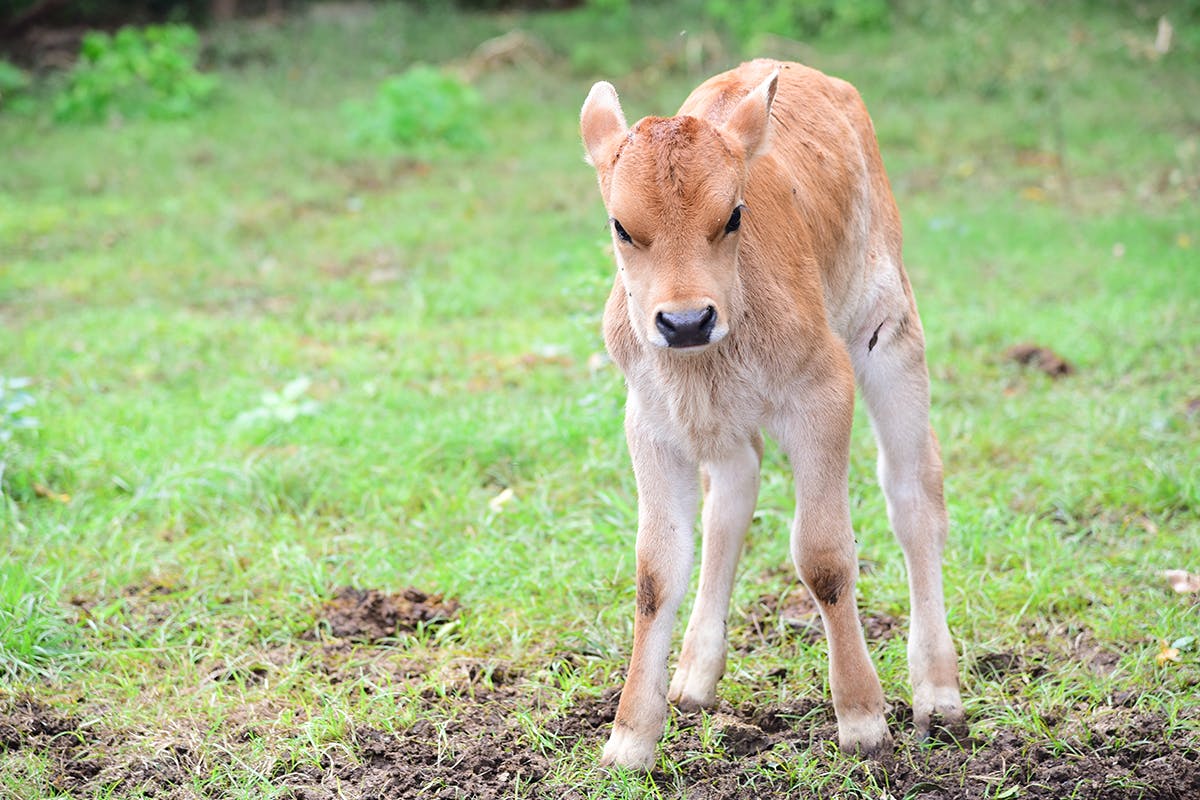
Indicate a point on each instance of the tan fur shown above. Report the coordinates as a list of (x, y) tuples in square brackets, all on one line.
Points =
[(808, 295)]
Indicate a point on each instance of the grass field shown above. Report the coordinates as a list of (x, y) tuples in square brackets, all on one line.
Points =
[(177, 544)]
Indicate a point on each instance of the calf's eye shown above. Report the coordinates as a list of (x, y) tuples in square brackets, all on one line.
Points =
[(621, 234), (735, 220)]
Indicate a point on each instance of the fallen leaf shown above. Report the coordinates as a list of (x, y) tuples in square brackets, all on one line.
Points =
[(1162, 38), (384, 275), (1034, 194), (1182, 581), (497, 503), (50, 494), (1166, 653)]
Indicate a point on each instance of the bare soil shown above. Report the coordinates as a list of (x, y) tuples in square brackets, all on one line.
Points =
[(1040, 358), (369, 615), (792, 614), (491, 733), (485, 752)]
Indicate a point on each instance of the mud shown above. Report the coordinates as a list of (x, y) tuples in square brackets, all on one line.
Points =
[(1040, 358), (369, 615)]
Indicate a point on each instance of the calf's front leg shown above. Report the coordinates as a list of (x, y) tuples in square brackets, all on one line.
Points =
[(667, 499), (817, 438), (731, 490)]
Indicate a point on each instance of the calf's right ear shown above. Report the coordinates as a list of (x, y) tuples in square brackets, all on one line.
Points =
[(602, 123), (750, 121)]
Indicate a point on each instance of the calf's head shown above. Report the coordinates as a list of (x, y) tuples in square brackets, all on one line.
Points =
[(673, 189)]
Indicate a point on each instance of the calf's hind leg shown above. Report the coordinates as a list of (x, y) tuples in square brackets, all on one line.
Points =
[(894, 379)]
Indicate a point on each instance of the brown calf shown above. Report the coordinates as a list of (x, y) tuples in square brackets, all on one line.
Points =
[(758, 248)]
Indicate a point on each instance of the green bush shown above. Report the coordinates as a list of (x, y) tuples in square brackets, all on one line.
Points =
[(422, 106), (14, 84), (138, 73), (747, 19)]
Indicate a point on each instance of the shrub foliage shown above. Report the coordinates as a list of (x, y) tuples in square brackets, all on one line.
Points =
[(137, 73)]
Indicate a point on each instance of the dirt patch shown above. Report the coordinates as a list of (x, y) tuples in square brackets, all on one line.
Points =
[(1040, 358), (482, 752), (793, 613), (82, 757), (372, 177), (776, 616), (369, 615), (998, 666), (1119, 754), (494, 745)]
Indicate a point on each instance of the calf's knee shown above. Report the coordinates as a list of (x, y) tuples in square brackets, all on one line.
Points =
[(828, 575)]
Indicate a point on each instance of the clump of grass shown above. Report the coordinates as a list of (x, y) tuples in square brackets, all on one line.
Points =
[(36, 638)]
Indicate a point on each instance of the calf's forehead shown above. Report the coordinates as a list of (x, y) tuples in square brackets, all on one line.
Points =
[(675, 169)]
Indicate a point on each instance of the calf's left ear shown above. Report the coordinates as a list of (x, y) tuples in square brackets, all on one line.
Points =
[(602, 123), (749, 124)]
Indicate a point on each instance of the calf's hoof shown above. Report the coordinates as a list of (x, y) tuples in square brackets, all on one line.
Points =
[(694, 684), (938, 714), (688, 694), (626, 749), (866, 736)]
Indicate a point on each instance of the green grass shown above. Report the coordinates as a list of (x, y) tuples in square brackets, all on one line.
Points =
[(157, 278)]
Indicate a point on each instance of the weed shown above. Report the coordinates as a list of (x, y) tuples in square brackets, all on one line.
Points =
[(283, 406), (418, 109), (14, 403)]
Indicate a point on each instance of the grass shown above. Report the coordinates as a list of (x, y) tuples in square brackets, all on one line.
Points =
[(165, 563)]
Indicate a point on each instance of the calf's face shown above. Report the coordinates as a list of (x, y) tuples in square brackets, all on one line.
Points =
[(673, 189)]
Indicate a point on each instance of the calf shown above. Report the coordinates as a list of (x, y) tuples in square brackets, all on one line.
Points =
[(759, 276)]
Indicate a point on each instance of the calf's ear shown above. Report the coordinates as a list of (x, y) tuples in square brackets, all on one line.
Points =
[(602, 123), (749, 124)]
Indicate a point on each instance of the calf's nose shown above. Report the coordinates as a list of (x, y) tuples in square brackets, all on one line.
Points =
[(686, 328)]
